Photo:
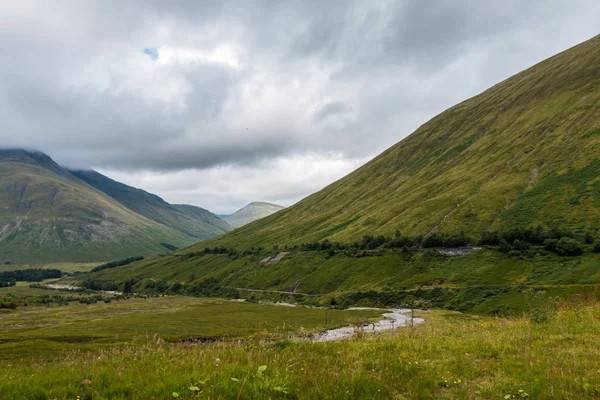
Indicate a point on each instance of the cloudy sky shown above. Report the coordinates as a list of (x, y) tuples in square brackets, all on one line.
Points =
[(219, 103)]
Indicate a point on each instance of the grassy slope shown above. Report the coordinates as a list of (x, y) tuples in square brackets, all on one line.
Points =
[(480, 281), (47, 215), (452, 356), (252, 212), (193, 221), (524, 152)]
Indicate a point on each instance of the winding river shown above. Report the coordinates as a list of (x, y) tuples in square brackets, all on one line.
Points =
[(395, 318)]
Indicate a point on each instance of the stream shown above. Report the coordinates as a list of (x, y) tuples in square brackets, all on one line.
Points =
[(395, 318)]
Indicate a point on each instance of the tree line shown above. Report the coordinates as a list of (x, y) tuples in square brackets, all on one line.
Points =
[(514, 241), (118, 263), (10, 278)]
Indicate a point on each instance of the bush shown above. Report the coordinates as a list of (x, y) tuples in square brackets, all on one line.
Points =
[(540, 307), (569, 247), (445, 241), (504, 246), (564, 246), (589, 239), (521, 246), (99, 285), (550, 244), (11, 305)]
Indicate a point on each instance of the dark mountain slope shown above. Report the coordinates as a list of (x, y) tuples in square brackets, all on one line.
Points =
[(49, 215), (193, 221)]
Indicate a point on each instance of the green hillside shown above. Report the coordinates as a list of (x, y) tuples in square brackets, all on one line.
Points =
[(193, 221), (484, 281), (523, 153), (48, 215)]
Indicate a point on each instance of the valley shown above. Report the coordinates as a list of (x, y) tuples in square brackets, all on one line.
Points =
[(462, 262), (452, 355)]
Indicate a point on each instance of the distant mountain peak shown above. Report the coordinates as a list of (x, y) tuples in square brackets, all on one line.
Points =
[(252, 212)]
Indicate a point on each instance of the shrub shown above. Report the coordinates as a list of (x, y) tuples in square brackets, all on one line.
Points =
[(569, 247), (519, 245), (589, 239), (489, 239), (11, 305), (550, 244), (540, 307), (504, 246)]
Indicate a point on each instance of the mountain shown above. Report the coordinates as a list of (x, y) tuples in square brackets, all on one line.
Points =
[(251, 212), (193, 221), (47, 214), (522, 153)]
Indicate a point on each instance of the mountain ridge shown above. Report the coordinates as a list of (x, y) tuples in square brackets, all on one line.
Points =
[(47, 214), (194, 221)]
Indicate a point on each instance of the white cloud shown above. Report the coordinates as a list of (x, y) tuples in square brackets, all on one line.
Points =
[(254, 99), (225, 189)]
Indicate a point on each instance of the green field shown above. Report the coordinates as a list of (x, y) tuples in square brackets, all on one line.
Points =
[(22, 291), (451, 356), (40, 331), (65, 267)]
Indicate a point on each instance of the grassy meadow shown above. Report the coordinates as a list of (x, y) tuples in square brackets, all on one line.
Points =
[(451, 356), (33, 332), (65, 267)]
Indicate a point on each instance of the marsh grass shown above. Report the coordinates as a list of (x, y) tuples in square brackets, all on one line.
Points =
[(452, 356), (47, 332)]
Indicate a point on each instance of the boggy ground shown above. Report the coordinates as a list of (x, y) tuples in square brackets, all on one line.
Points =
[(32, 332), (451, 356)]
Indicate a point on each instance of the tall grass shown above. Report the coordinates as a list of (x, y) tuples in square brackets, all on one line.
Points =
[(452, 356)]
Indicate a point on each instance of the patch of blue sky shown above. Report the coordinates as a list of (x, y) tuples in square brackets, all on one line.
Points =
[(152, 52)]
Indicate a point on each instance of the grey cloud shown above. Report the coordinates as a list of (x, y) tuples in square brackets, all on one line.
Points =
[(330, 109), (348, 77)]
